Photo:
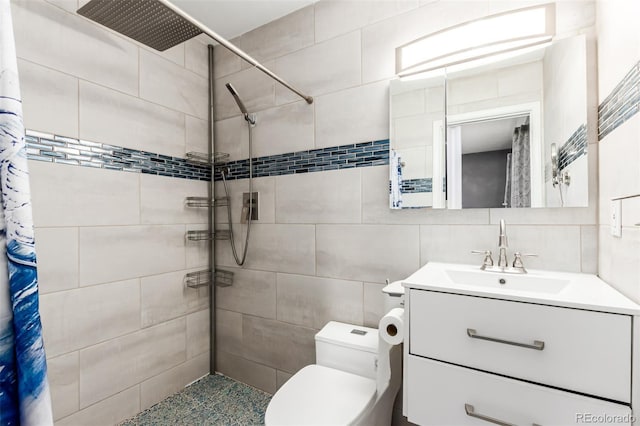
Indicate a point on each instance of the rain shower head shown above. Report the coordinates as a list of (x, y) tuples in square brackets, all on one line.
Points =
[(149, 22), (237, 98)]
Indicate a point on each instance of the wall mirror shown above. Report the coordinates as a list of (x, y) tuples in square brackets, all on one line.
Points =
[(505, 134)]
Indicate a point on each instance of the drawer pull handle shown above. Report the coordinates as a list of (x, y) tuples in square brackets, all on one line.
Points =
[(468, 408), (537, 344)]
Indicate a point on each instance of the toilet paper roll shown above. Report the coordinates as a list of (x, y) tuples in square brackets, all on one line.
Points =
[(391, 327)]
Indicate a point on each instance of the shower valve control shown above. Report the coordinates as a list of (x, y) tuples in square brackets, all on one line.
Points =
[(246, 202)]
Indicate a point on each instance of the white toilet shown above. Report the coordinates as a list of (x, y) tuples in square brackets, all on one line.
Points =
[(354, 382)]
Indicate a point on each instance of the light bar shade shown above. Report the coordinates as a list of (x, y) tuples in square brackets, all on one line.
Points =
[(477, 39)]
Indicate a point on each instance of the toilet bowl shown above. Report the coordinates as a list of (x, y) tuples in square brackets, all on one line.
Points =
[(354, 382)]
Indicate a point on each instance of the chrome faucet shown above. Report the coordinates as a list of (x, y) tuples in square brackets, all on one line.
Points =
[(503, 245), (503, 264)]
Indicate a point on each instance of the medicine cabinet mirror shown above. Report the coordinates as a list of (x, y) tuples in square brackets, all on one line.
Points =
[(507, 134)]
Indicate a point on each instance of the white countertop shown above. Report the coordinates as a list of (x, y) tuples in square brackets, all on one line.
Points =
[(584, 291)]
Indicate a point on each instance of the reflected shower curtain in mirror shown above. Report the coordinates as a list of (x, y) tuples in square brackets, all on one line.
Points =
[(520, 181), (395, 177), (24, 391)]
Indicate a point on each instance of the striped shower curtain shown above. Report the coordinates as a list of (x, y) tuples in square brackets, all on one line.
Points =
[(24, 391)]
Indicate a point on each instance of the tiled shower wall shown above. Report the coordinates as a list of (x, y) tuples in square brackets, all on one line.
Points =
[(121, 331), (618, 56), (326, 241)]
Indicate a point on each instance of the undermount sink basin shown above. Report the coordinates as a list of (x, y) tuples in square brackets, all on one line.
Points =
[(488, 279)]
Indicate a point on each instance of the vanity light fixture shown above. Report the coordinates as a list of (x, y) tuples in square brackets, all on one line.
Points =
[(492, 35)]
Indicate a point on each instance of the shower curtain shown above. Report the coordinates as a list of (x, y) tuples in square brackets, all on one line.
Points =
[(24, 391), (520, 181)]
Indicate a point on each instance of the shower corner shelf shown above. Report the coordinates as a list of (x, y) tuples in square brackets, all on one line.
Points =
[(223, 278), (202, 278), (203, 158), (206, 202), (206, 235)]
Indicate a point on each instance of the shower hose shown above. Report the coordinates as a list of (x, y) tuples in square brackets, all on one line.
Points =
[(240, 260)]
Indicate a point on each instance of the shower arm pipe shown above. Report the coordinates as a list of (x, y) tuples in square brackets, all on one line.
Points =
[(230, 46)]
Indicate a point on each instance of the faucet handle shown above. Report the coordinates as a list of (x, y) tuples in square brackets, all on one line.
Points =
[(488, 260), (517, 259)]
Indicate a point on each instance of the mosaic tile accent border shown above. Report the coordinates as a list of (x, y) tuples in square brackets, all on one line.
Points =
[(415, 186), (374, 153), (621, 104), (77, 152), (575, 147)]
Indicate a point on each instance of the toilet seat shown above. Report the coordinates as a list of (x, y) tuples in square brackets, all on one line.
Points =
[(322, 395)]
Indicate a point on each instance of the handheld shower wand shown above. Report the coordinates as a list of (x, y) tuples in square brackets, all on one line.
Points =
[(251, 118)]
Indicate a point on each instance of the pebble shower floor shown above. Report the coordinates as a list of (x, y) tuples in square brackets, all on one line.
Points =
[(212, 400)]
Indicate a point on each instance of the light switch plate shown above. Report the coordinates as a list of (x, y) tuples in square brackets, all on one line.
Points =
[(616, 218)]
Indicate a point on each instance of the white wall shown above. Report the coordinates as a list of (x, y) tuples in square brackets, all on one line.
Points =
[(326, 241), (120, 331), (618, 51)]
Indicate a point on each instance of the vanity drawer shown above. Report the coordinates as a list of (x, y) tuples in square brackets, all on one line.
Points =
[(583, 351), (441, 394)]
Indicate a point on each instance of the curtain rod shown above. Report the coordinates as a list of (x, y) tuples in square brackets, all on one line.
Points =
[(234, 49)]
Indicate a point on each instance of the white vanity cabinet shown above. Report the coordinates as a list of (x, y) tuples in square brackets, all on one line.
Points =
[(475, 357)]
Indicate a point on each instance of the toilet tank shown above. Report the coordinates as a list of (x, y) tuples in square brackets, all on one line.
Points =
[(348, 347)]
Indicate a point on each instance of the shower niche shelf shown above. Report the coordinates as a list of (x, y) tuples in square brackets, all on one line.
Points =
[(206, 202), (202, 278), (203, 158), (206, 235)]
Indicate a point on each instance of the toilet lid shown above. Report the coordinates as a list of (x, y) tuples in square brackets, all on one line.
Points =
[(318, 395)]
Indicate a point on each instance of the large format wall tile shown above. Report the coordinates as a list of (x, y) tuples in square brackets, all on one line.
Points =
[(327, 197), (113, 366), (62, 373), (313, 301), (81, 196), (373, 304), (170, 85), (75, 319), (287, 128), (557, 247), (256, 89), (196, 56), (333, 18), (322, 68), (249, 372), (57, 251), (282, 248), (49, 99), (107, 412), (278, 345), (115, 253), (197, 135), (252, 292), (197, 333), (165, 297), (354, 115), (74, 45), (618, 261), (367, 252), (171, 381), (108, 116), (162, 200), (264, 186), (229, 332), (277, 38)]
